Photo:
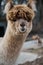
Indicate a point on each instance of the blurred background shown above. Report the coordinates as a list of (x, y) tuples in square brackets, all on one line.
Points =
[(37, 22)]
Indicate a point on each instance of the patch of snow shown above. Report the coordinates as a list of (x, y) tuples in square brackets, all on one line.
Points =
[(31, 44), (25, 56)]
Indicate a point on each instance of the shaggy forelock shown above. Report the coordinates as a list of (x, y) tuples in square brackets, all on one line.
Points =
[(18, 12)]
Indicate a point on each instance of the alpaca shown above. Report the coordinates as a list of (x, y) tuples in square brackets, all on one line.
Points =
[(19, 24)]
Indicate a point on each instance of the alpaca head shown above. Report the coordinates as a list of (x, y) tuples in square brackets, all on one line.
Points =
[(19, 18)]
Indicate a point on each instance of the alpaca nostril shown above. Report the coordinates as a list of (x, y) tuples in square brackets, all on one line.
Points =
[(22, 24)]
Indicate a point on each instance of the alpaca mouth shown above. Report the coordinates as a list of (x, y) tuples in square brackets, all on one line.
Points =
[(22, 30)]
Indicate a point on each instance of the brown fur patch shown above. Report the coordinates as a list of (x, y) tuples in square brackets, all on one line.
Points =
[(18, 12)]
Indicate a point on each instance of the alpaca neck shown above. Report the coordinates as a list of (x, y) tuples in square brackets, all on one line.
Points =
[(12, 44)]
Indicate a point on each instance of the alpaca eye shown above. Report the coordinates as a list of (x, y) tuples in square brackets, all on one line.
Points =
[(29, 19), (14, 20)]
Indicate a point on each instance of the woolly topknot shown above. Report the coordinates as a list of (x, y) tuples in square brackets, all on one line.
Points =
[(20, 11)]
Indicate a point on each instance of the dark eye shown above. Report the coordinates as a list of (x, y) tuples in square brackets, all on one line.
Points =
[(14, 20), (29, 19)]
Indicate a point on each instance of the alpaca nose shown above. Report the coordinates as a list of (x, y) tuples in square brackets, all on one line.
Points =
[(22, 24)]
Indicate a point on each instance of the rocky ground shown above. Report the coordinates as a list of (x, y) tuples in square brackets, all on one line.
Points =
[(31, 54)]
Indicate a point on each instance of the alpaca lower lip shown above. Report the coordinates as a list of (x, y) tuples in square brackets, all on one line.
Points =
[(23, 30)]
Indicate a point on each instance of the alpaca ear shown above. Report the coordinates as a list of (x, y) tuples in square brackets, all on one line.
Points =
[(32, 5), (8, 6)]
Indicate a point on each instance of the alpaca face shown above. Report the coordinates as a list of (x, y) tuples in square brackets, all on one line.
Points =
[(20, 19), (20, 26)]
